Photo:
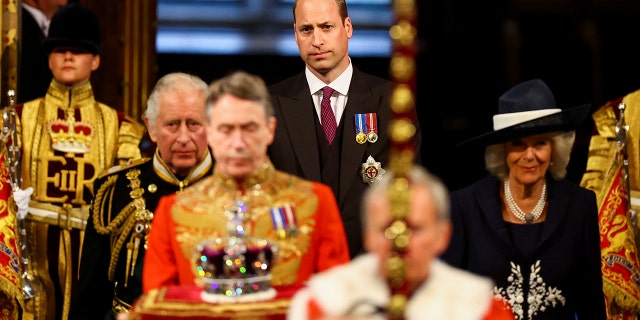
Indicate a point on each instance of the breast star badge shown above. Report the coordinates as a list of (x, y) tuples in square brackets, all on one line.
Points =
[(372, 171)]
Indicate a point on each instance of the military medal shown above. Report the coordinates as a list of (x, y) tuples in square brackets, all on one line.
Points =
[(361, 136), (372, 125), (372, 171), (284, 221)]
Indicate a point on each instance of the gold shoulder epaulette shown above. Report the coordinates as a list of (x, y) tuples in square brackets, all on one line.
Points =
[(128, 165)]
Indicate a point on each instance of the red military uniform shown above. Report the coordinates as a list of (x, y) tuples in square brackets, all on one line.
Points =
[(183, 220)]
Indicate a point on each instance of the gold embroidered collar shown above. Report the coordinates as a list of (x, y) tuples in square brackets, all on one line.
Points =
[(258, 178), (197, 172), (64, 97)]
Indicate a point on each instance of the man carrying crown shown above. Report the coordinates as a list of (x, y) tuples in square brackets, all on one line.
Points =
[(67, 140)]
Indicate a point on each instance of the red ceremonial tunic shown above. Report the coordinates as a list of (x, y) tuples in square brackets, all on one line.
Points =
[(185, 219)]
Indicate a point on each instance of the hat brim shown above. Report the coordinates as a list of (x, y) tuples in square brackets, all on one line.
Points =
[(52, 43), (566, 120)]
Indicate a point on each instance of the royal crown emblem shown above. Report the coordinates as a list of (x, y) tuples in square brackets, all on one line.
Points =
[(236, 268), (70, 136)]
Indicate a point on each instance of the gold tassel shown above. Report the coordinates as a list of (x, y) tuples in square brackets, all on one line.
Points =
[(136, 247), (68, 273), (126, 274)]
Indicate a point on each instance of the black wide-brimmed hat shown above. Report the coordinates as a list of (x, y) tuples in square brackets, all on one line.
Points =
[(528, 109), (74, 26)]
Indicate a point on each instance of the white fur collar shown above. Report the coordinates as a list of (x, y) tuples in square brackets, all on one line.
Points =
[(448, 294)]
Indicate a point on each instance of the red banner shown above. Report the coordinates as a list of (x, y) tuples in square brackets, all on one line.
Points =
[(620, 268), (10, 287)]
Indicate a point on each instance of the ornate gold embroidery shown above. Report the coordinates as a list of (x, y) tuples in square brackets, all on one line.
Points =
[(75, 173), (199, 214), (122, 223), (142, 218), (98, 202), (128, 140), (62, 179), (70, 135), (604, 165)]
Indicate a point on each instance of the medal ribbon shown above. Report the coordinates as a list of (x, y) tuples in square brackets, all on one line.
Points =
[(277, 216), (290, 217), (360, 123), (372, 122), (283, 218)]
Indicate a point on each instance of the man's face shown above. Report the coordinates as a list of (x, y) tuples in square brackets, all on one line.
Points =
[(322, 37), (239, 134), (180, 129), (72, 66), (429, 236)]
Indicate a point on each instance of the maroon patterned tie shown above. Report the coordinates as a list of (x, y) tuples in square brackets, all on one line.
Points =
[(326, 115)]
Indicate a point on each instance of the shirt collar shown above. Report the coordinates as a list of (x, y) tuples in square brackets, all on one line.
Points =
[(39, 17), (340, 84), (197, 172)]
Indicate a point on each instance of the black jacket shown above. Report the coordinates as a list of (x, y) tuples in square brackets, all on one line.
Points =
[(295, 148), (34, 73), (93, 296), (563, 265)]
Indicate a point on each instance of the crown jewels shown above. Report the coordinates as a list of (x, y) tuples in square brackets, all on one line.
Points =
[(236, 268), (70, 135)]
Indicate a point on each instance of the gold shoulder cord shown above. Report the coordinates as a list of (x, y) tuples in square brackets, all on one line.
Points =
[(98, 202), (401, 133), (114, 227), (142, 220), (133, 217)]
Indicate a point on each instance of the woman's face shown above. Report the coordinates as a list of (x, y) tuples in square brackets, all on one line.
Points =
[(528, 158)]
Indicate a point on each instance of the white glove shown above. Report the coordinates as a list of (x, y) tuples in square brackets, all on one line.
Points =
[(22, 198)]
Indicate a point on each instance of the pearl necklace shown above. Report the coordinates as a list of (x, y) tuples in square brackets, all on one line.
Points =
[(525, 217)]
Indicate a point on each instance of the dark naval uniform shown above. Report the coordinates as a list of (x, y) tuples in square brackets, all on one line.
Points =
[(110, 276)]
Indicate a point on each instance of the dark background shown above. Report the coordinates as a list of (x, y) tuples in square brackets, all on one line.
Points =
[(470, 52)]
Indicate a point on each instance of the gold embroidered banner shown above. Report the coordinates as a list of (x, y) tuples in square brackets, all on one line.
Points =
[(10, 287), (620, 274), (618, 239)]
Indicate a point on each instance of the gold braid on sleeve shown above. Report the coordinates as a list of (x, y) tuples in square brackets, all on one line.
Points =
[(119, 228), (104, 197), (122, 235)]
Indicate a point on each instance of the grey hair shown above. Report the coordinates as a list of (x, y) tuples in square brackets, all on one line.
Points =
[(240, 85), (418, 176), (172, 82), (495, 157)]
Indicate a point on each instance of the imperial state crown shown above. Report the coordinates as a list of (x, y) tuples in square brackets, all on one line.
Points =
[(236, 268)]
